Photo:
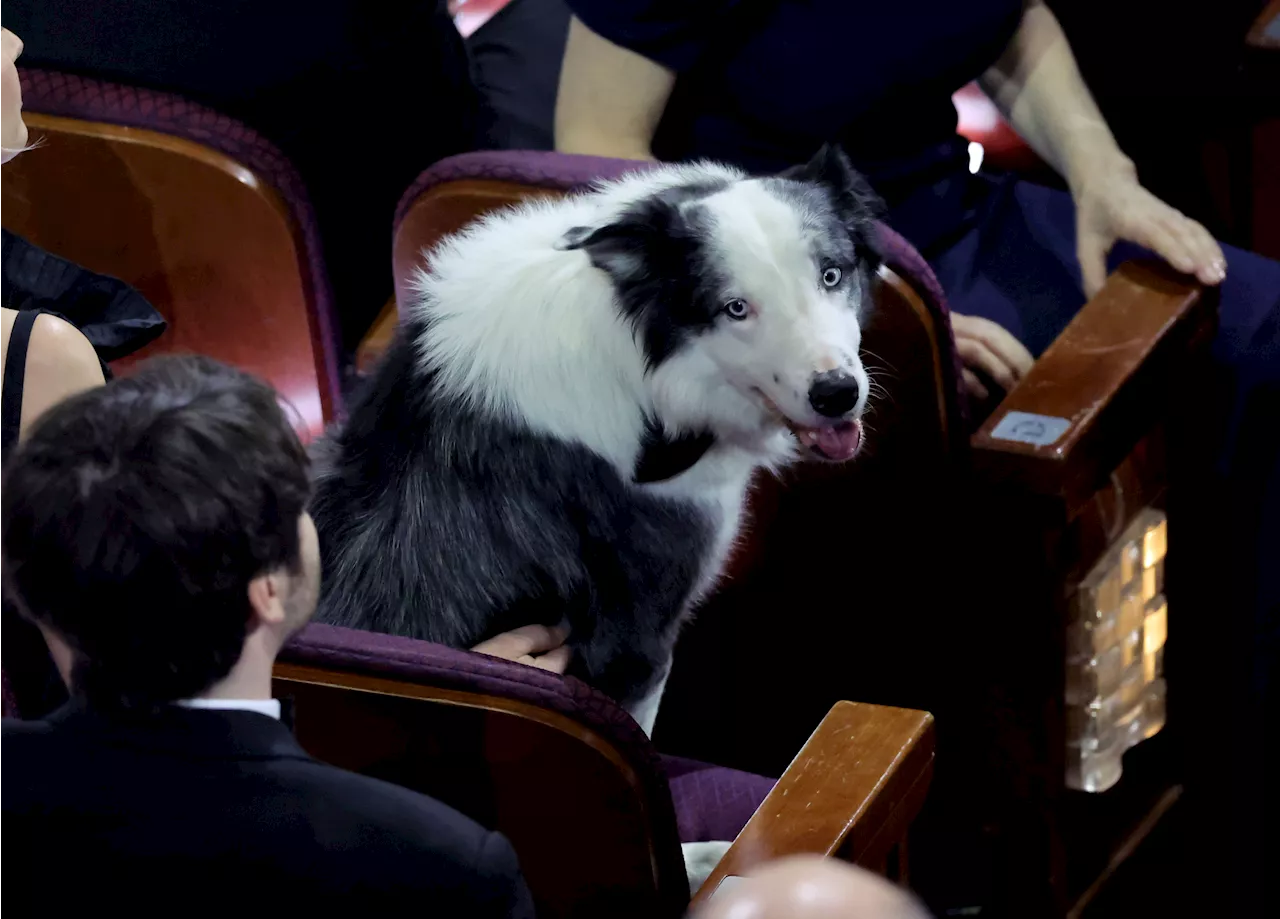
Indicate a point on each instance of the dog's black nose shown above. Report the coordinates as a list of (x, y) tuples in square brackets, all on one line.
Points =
[(833, 394)]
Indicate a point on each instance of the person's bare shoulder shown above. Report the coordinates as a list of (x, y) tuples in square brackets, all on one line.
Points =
[(60, 363)]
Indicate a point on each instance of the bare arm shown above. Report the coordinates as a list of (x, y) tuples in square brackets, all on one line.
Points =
[(60, 364), (1037, 86), (610, 98)]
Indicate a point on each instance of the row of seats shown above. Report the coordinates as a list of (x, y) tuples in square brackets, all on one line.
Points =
[(969, 602), (200, 213), (232, 262)]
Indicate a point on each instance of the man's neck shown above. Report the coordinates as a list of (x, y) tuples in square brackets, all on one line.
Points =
[(250, 678)]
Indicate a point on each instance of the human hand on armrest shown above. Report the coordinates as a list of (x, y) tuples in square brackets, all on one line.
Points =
[(535, 645), (1037, 86), (1112, 205)]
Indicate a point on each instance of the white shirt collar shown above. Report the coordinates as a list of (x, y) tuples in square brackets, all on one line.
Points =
[(268, 707)]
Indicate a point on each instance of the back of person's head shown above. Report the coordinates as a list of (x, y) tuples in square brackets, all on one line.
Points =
[(811, 887), (136, 517)]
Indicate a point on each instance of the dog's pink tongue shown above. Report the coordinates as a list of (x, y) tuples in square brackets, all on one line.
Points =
[(838, 442)]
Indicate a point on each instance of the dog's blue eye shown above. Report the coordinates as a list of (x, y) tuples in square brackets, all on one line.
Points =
[(831, 276), (737, 309)]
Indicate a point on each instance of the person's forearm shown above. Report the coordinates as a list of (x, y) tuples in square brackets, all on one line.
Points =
[(610, 99), (1038, 87), (596, 143)]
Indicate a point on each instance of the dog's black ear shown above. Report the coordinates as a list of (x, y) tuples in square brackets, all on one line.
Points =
[(578, 237), (830, 168), (624, 247), (615, 248)]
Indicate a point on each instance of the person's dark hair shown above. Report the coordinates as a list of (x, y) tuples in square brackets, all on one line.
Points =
[(136, 514)]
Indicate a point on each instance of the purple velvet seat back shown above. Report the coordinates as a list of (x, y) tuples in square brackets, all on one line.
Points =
[(713, 803), (909, 264), (708, 802), (376, 654), (412, 663), (69, 96), (534, 168), (488, 718), (572, 172)]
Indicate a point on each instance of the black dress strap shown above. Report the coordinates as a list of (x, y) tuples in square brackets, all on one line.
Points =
[(28, 669), (15, 373)]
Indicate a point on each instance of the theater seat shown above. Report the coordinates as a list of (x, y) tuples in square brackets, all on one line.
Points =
[(205, 217), (595, 815), (1008, 579)]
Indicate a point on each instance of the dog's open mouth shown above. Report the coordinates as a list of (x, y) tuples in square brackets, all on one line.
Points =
[(834, 442)]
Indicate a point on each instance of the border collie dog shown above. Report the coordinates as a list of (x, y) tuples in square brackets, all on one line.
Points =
[(565, 429)]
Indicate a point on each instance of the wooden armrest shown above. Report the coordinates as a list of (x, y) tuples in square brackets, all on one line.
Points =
[(378, 338), (852, 791), (1265, 31), (1099, 387)]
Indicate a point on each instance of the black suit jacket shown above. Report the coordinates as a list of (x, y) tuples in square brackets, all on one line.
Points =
[(362, 95), (221, 812)]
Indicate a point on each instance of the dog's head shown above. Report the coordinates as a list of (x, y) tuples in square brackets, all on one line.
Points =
[(746, 296)]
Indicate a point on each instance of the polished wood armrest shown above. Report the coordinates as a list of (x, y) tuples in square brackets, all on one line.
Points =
[(851, 791), (1098, 388)]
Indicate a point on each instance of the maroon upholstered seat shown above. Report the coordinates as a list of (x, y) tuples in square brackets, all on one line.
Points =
[(943, 569), (710, 802), (595, 815), (563, 172), (462, 176)]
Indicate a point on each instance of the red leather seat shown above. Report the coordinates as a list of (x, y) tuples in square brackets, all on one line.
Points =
[(201, 214)]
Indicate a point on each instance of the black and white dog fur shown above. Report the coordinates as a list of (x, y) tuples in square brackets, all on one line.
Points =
[(567, 424)]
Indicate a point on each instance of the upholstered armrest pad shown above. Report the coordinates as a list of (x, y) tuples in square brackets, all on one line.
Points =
[(1099, 387), (852, 791)]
